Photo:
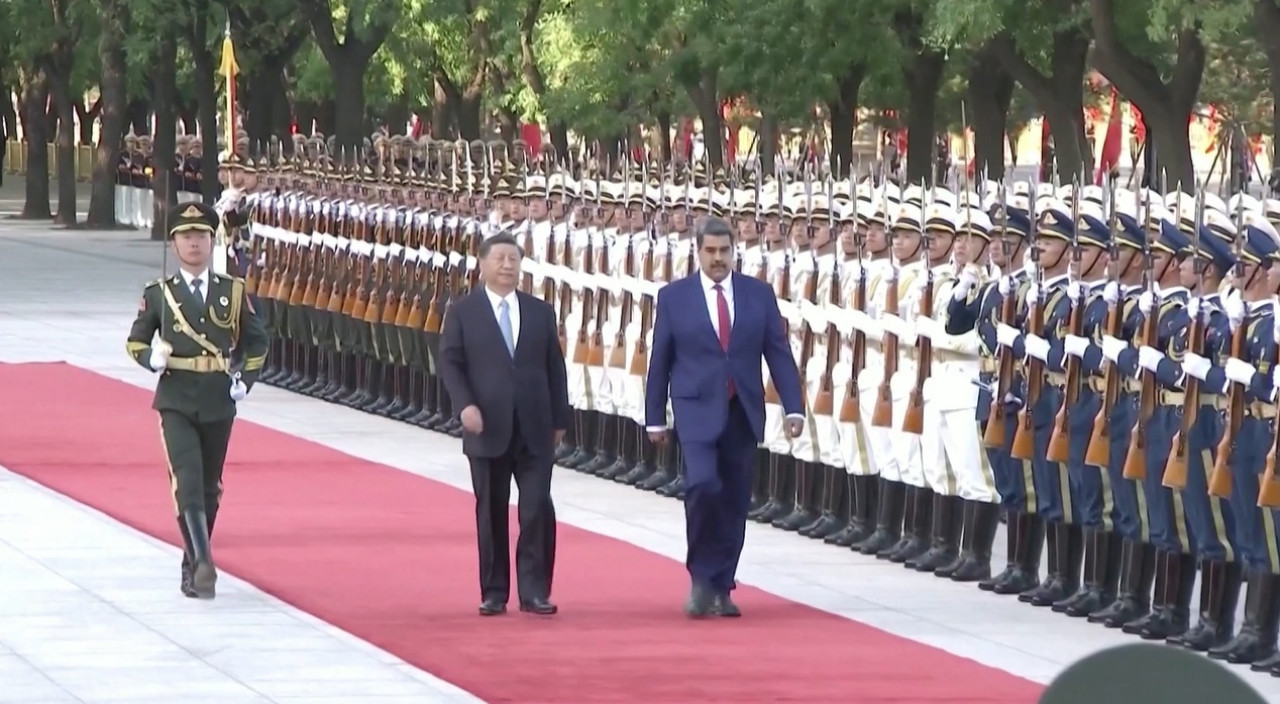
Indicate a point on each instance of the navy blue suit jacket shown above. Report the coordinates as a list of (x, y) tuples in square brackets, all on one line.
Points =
[(688, 364)]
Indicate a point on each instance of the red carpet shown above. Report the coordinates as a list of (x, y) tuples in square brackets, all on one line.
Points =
[(390, 557)]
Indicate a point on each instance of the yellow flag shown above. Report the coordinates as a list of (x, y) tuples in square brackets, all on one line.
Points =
[(229, 69)]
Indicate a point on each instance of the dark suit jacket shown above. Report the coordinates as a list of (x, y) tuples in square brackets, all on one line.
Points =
[(477, 370), (227, 321)]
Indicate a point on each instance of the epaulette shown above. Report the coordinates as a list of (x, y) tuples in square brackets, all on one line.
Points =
[(157, 282)]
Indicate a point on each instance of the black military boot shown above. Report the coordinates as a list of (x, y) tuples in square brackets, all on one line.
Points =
[(759, 480), (772, 506), (1257, 637), (625, 457), (1219, 593), (803, 512), (944, 548), (1172, 616), (320, 376), (402, 399), (855, 525), (918, 529), (299, 364), (387, 389), (1133, 598), (675, 487), (1163, 569), (585, 452), (1101, 576), (666, 468), (830, 522), (606, 446), (908, 520), (569, 444), (204, 575), (1066, 543), (646, 460), (278, 362), (889, 514), (340, 382), (977, 537)]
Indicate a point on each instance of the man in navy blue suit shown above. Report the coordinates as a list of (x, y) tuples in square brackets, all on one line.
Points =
[(711, 331)]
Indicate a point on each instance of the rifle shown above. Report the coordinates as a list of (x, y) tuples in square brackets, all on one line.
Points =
[(1175, 468), (824, 404), (1023, 446), (1098, 453), (1135, 464), (994, 437), (882, 414), (913, 420), (1060, 442), (1220, 480)]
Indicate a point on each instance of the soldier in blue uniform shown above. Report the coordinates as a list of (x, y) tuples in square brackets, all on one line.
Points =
[(1053, 497), (1209, 518), (1091, 492), (1249, 311), (1161, 357)]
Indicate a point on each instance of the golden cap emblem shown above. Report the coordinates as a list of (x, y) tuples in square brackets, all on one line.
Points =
[(191, 211)]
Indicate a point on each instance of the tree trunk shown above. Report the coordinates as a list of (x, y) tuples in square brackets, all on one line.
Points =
[(924, 75), (844, 119), (467, 113), (767, 144), (1266, 15), (7, 114), (348, 98), (990, 92), (102, 199), (86, 116), (35, 93), (207, 118), (705, 95), (138, 116), (1059, 94), (442, 118), (64, 104), (165, 97), (664, 130), (1166, 107)]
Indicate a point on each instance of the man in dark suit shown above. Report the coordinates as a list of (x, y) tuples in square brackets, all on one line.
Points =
[(501, 362), (711, 332)]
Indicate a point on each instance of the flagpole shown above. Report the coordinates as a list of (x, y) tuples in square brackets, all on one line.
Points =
[(228, 69)]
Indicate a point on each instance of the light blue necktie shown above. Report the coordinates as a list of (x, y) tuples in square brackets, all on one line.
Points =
[(504, 324)]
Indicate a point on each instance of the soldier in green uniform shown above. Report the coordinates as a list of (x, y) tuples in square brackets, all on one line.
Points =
[(211, 348)]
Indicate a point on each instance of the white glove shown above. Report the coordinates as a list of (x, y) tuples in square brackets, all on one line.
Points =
[(1196, 366), (893, 325), (1075, 345), (159, 359), (1234, 306), (1005, 285), (1037, 347), (1239, 371), (1149, 358), (1074, 290), (1033, 293), (1111, 293), (1112, 347), (1193, 308), (238, 391), (928, 327), (228, 201), (968, 279), (1006, 335), (861, 321), (1146, 302)]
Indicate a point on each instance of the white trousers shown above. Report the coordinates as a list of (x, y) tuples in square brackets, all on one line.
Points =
[(851, 443), (954, 461), (906, 447)]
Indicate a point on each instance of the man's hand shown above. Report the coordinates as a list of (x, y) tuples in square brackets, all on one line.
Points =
[(795, 426), (473, 422), (559, 437), (657, 437)]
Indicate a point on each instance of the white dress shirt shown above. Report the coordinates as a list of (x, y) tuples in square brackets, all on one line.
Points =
[(513, 310), (713, 300), (188, 277)]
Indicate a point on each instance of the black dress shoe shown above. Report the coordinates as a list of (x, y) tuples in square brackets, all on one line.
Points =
[(700, 604), (542, 607), (492, 607), (724, 606)]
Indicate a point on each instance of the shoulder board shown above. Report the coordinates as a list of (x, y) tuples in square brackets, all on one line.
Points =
[(1168, 306), (157, 282)]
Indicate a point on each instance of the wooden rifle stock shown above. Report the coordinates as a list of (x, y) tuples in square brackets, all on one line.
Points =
[(595, 352), (1060, 441), (1023, 447), (882, 415), (771, 391), (1098, 453), (913, 420), (1175, 469), (994, 437), (824, 403), (1135, 464), (851, 409), (640, 353), (1220, 480)]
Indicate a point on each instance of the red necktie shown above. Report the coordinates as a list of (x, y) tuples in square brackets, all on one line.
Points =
[(722, 307)]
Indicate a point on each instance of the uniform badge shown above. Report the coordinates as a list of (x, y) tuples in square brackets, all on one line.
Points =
[(223, 301)]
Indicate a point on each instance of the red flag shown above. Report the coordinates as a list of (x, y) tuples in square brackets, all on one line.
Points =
[(1110, 156), (531, 133)]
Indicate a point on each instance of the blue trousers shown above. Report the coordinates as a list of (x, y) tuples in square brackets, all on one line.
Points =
[(1014, 478), (1129, 518), (1165, 513), (717, 497), (1053, 491), (1090, 487), (1210, 519), (1255, 527)]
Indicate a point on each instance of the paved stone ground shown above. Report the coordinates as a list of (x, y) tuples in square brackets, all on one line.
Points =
[(70, 295)]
